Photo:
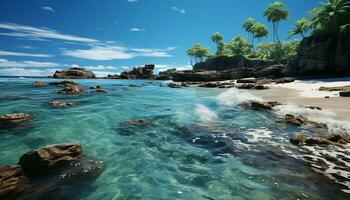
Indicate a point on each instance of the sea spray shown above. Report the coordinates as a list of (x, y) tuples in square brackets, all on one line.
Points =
[(205, 114), (234, 97)]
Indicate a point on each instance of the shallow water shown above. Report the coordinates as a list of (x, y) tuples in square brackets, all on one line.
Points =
[(200, 145)]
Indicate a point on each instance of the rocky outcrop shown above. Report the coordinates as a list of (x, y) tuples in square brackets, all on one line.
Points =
[(145, 72), (221, 63), (43, 171), (335, 88), (322, 55), (14, 119), (75, 72), (344, 93)]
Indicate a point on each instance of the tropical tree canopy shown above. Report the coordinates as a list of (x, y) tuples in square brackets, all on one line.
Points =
[(217, 38), (300, 27), (332, 17), (248, 23), (238, 46), (276, 12), (259, 30), (198, 52)]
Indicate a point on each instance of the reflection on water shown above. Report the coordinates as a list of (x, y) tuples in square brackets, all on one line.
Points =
[(198, 144)]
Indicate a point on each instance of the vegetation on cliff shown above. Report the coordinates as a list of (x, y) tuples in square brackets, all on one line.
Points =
[(330, 18)]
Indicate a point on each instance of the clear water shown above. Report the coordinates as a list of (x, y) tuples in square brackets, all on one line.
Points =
[(200, 145)]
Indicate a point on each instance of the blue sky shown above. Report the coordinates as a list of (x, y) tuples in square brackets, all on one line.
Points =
[(38, 37)]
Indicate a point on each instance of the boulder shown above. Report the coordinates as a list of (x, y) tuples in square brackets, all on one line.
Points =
[(174, 85), (245, 86), (344, 93), (39, 84), (264, 105), (61, 104), (42, 162), (295, 120), (284, 80), (63, 83), (209, 85), (75, 72), (335, 88), (72, 89), (13, 181), (261, 87), (11, 120), (298, 139)]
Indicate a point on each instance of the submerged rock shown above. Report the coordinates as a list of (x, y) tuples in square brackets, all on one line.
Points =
[(75, 72), (174, 85), (139, 122), (61, 104), (295, 120), (264, 105), (11, 120), (39, 84), (45, 171), (63, 83), (72, 89)]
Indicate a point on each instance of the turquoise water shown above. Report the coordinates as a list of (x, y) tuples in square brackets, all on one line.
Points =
[(200, 144)]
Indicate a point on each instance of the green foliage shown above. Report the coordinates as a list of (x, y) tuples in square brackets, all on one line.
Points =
[(259, 30), (198, 53), (238, 46), (300, 27), (217, 38), (331, 18)]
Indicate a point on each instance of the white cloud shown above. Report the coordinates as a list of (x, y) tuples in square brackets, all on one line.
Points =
[(132, 1), (137, 29), (10, 53), (48, 8), (113, 52), (99, 53), (29, 32), (98, 67), (21, 64), (181, 11), (26, 72)]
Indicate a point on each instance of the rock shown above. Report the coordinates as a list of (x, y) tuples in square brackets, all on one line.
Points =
[(139, 122), (113, 76), (263, 81), (61, 104), (284, 80), (11, 120), (246, 80), (327, 97), (272, 71), (245, 86), (344, 93), (174, 85), (336, 88), (297, 139), (63, 83), (338, 139), (39, 84), (209, 85), (313, 107), (322, 55), (72, 89), (264, 105), (12, 183), (163, 77), (295, 120), (145, 72), (75, 72), (44, 161), (221, 63), (184, 84), (261, 87)]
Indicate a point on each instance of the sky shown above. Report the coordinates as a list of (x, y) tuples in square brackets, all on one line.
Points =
[(38, 37)]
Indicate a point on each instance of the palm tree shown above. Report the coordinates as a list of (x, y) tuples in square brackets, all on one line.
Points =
[(190, 52), (276, 12), (247, 25), (259, 31), (331, 16), (217, 38), (198, 52), (300, 27)]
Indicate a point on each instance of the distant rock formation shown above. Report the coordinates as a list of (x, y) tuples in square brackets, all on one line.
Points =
[(145, 72), (323, 55), (221, 63), (78, 73)]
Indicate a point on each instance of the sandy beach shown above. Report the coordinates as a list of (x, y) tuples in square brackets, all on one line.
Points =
[(306, 93)]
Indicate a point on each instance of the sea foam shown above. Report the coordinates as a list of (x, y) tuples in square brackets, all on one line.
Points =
[(205, 114), (234, 97)]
